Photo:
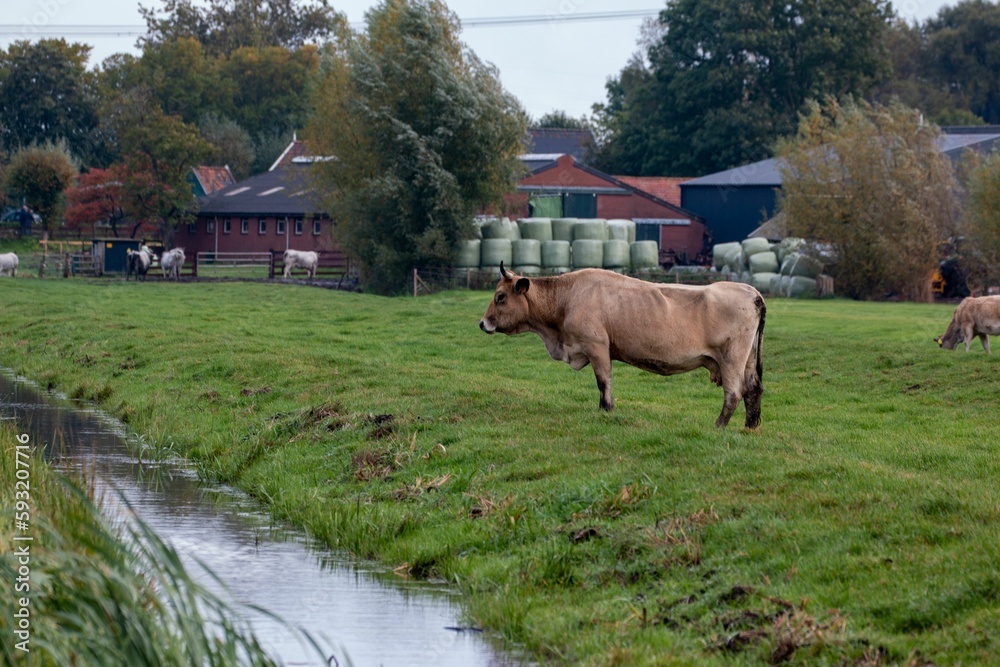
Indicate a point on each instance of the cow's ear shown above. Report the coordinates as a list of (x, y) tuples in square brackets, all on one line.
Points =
[(521, 286)]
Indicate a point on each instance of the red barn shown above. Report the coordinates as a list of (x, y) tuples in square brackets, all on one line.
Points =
[(275, 210)]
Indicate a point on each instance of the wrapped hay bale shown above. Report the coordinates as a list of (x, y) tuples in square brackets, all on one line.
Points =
[(468, 254), (645, 255), (526, 252), (764, 262), (797, 264), (763, 281), (617, 254), (753, 246), (591, 230), (720, 253), (529, 270), (802, 287), (588, 253), (555, 254), (494, 251), (502, 228), (789, 245), (621, 230), (798, 287), (539, 229), (562, 229)]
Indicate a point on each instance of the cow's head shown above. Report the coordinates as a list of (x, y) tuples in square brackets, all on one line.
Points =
[(950, 339), (508, 312)]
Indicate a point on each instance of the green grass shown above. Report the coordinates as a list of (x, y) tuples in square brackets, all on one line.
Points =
[(858, 526)]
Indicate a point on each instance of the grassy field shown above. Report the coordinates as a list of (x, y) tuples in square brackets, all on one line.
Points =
[(859, 526)]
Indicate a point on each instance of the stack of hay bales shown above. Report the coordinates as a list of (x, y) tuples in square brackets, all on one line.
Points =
[(498, 244), (550, 246), (778, 269), (798, 272), (761, 263)]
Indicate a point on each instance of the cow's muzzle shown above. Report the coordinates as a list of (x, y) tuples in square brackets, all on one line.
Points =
[(486, 326)]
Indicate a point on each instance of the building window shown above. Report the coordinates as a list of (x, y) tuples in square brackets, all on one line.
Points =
[(227, 226), (210, 226), (317, 226), (244, 226), (298, 226), (192, 228), (262, 226), (279, 225)]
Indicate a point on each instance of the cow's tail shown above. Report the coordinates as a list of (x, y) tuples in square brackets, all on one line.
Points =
[(755, 383)]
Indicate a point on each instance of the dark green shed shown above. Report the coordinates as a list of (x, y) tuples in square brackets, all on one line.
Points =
[(110, 254)]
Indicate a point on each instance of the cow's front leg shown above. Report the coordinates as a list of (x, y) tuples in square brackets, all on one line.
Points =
[(986, 342)]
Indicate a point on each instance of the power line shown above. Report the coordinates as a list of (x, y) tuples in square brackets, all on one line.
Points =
[(114, 30)]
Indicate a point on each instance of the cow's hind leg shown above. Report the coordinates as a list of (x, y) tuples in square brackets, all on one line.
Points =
[(752, 400), (601, 362), (986, 342)]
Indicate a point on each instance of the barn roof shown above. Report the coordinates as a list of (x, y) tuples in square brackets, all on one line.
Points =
[(559, 141), (285, 191), (210, 179), (768, 172)]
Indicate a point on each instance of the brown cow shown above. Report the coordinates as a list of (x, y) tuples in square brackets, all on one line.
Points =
[(594, 316), (975, 316)]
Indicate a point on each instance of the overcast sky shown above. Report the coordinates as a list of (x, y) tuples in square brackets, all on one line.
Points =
[(554, 64)]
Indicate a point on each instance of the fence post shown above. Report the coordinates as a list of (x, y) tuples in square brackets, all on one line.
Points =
[(415, 279), (270, 269), (66, 265)]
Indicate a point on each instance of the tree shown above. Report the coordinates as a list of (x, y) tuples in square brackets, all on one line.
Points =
[(963, 56), (47, 96), (184, 80), (422, 134), (223, 26), (727, 78), (870, 182), (269, 87), (40, 176), (97, 197), (560, 120), (981, 250), (156, 152), (231, 144)]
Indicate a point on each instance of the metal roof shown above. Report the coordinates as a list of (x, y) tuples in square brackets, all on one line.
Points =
[(286, 191), (768, 172)]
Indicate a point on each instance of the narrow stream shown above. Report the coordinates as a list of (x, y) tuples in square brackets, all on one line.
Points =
[(360, 614)]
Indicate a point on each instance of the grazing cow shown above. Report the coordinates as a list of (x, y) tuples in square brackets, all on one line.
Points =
[(138, 262), (975, 316), (594, 316), (301, 259), (8, 264), (171, 263)]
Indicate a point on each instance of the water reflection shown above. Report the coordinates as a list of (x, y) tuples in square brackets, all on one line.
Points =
[(360, 613)]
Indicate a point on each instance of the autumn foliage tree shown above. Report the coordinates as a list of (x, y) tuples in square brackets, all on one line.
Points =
[(156, 151), (981, 247), (871, 184), (97, 197), (422, 136)]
